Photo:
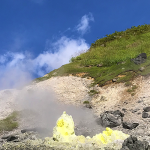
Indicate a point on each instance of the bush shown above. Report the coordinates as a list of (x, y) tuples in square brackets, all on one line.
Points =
[(86, 102), (93, 92), (134, 87)]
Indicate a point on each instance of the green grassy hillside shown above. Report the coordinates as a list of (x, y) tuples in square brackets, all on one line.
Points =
[(114, 53)]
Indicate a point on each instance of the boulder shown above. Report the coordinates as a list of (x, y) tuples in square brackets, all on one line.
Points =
[(145, 115), (141, 58), (132, 143), (146, 109), (9, 138), (130, 126), (111, 118)]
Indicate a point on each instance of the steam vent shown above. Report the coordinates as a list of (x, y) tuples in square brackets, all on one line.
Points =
[(64, 132)]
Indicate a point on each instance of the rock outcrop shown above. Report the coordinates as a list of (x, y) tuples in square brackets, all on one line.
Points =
[(132, 143), (111, 118), (141, 58)]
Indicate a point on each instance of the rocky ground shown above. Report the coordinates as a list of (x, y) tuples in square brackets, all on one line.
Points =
[(63, 93)]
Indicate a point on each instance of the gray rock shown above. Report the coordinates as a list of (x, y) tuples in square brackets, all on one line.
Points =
[(145, 115), (146, 109), (141, 58), (132, 143), (114, 80), (124, 109), (135, 110), (99, 65), (111, 118), (140, 101), (11, 138), (130, 126)]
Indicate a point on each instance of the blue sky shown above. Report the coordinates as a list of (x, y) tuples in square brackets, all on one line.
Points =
[(37, 36)]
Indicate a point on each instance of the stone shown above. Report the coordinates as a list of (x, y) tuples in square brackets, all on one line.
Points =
[(145, 115), (111, 118), (130, 126), (124, 109), (10, 138), (99, 65), (132, 143), (37, 130), (28, 130), (135, 110), (114, 80), (140, 101), (142, 69), (146, 109), (141, 58)]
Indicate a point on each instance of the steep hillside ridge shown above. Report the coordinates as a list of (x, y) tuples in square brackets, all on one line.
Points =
[(111, 58)]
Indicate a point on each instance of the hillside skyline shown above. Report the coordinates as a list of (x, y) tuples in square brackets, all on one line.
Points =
[(38, 36)]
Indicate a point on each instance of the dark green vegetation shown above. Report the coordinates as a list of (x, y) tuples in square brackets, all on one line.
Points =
[(9, 123), (92, 92), (110, 57), (86, 102)]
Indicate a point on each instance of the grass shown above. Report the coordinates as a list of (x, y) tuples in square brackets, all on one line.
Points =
[(128, 83), (132, 90), (114, 52), (86, 102), (92, 92), (9, 123)]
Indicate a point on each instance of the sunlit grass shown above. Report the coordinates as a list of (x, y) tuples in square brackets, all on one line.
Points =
[(9, 123), (114, 52)]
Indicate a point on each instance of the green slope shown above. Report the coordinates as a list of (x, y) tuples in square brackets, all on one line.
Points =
[(114, 52)]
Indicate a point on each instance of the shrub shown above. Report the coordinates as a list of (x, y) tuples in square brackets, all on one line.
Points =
[(129, 90), (93, 92), (134, 87), (132, 94), (86, 102), (128, 83)]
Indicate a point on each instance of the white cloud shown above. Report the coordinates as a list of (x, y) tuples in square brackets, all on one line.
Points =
[(65, 48), (83, 26), (16, 58), (18, 68), (2, 59)]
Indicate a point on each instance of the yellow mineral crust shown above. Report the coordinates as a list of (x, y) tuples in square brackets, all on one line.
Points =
[(64, 129), (64, 132)]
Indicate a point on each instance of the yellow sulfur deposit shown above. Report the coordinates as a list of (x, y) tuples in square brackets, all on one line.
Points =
[(64, 132), (64, 129)]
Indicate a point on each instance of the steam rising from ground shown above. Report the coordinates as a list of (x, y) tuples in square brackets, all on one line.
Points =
[(43, 110)]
